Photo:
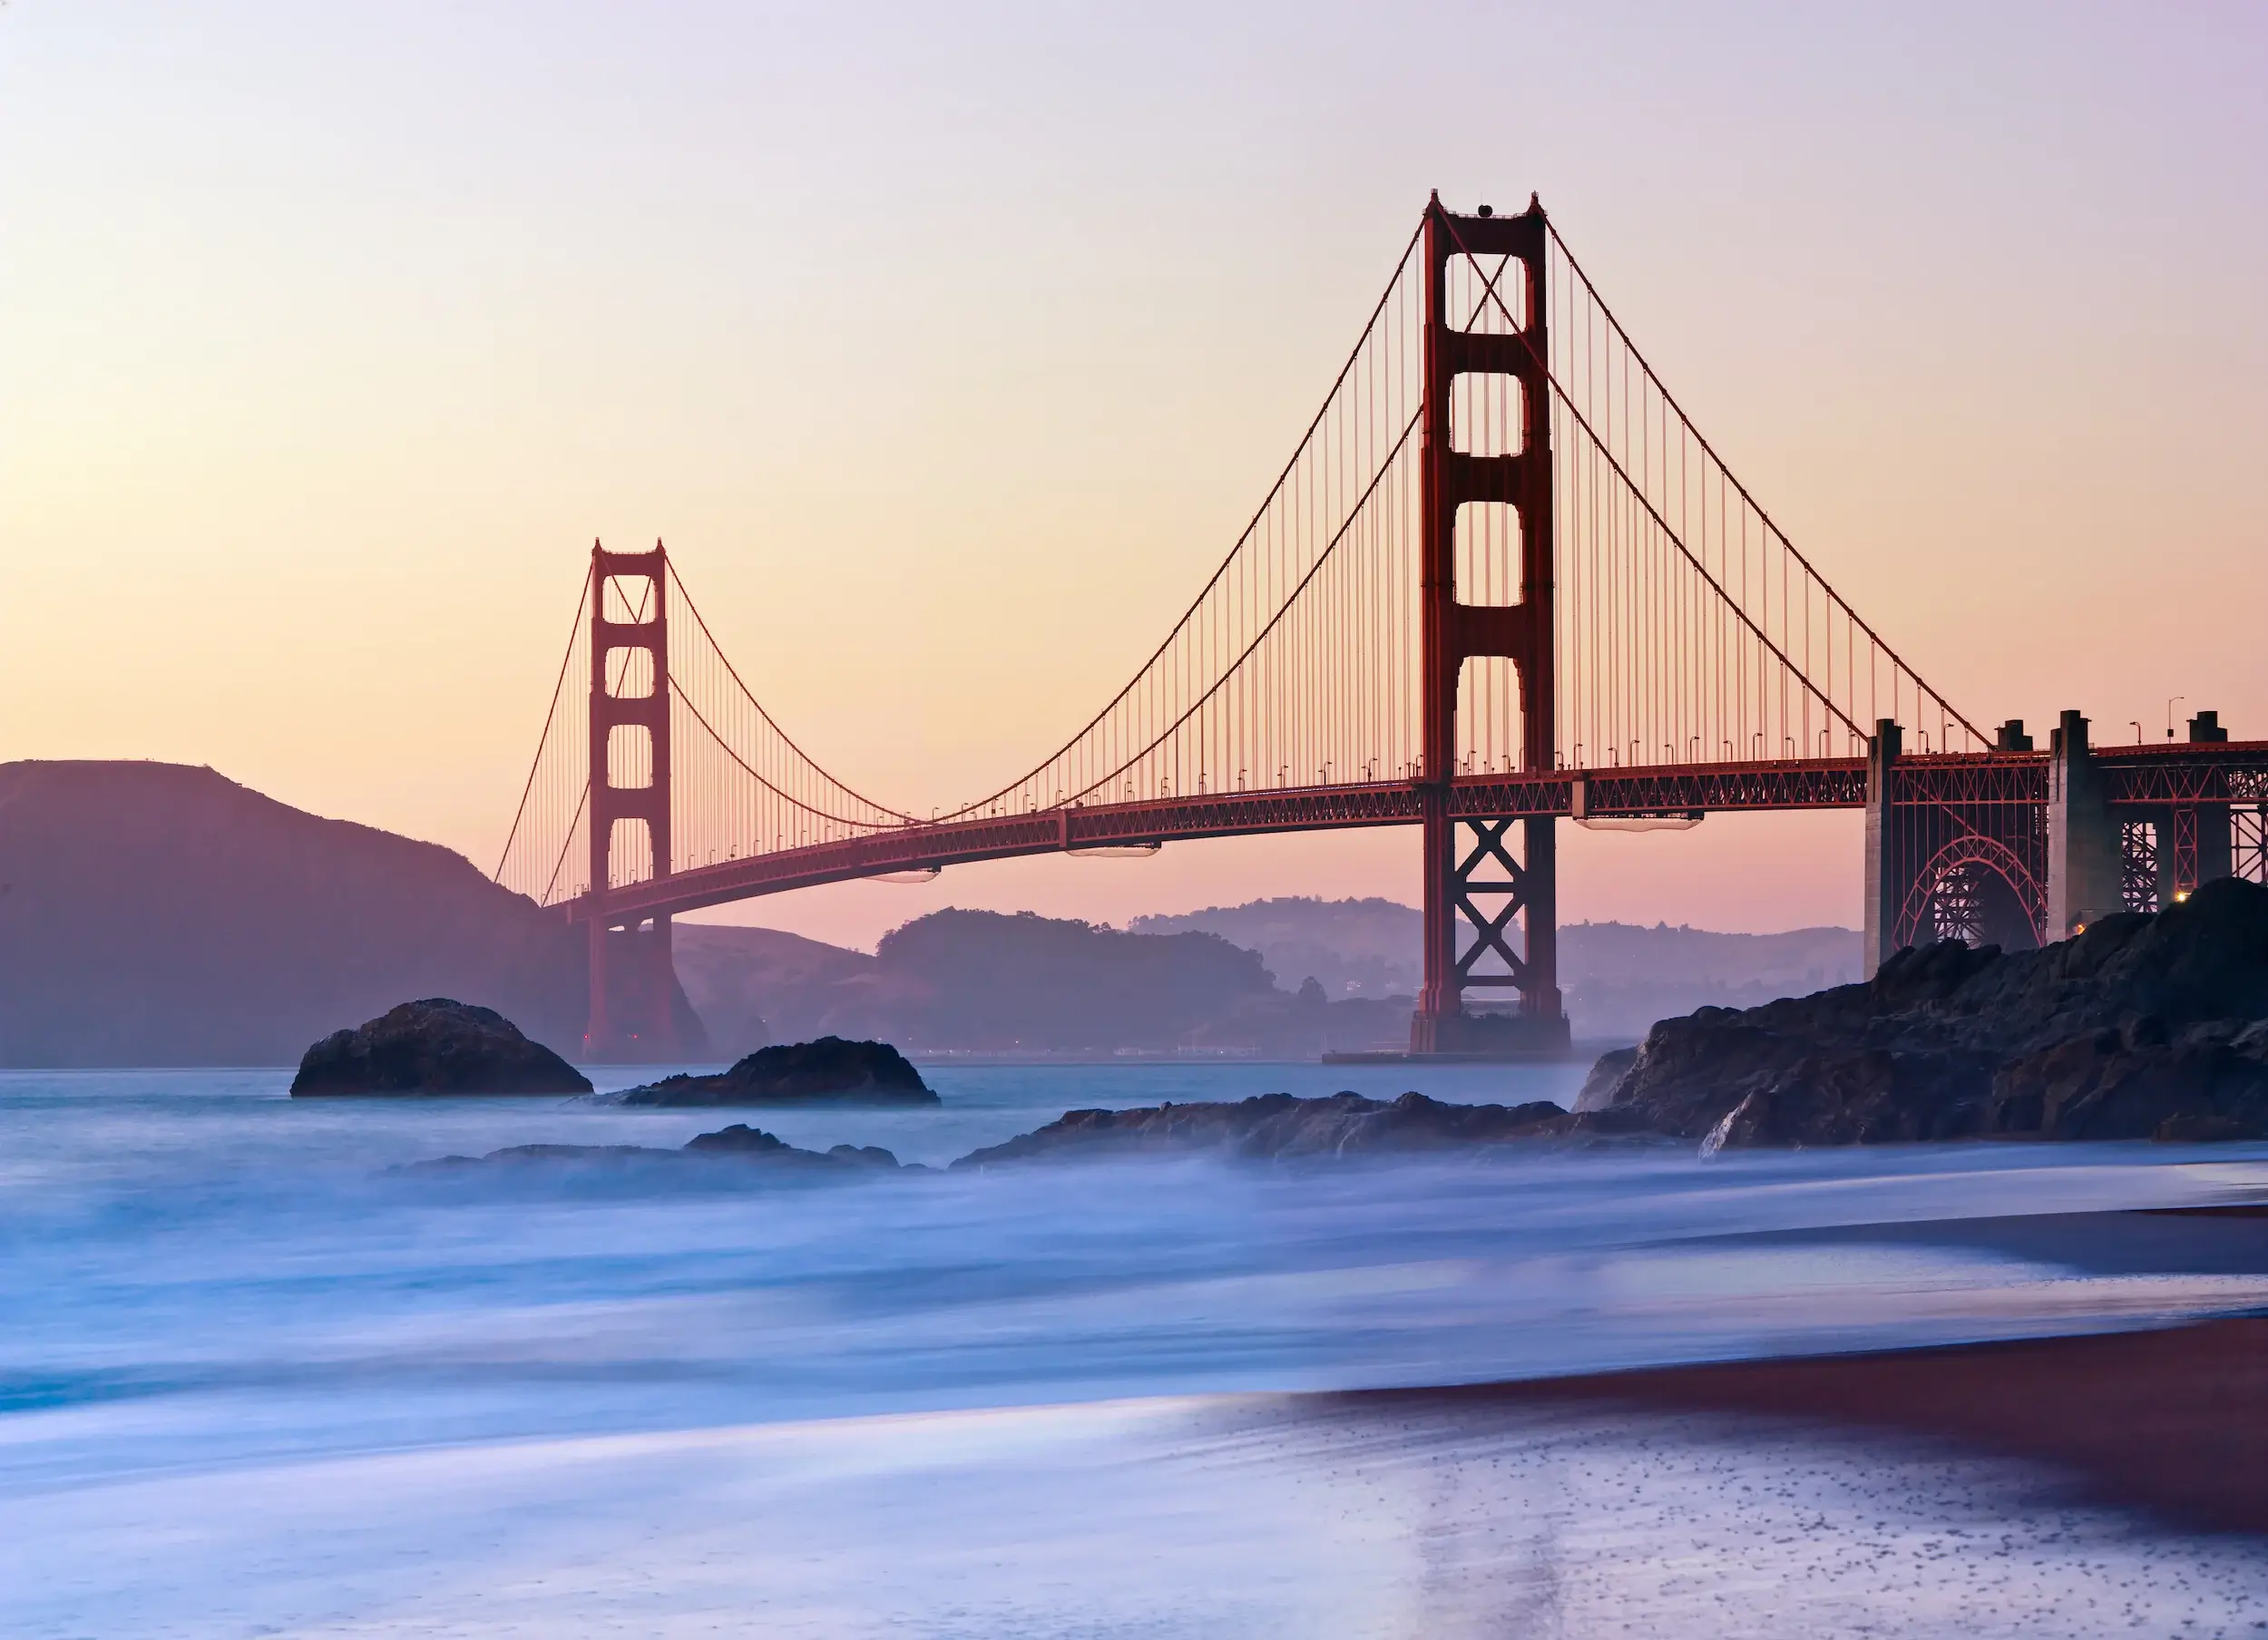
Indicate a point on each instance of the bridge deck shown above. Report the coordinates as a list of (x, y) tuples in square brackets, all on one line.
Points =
[(1825, 783), (2180, 772)]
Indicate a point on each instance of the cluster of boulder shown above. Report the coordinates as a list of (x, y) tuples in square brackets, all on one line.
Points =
[(442, 1047), (2141, 1027)]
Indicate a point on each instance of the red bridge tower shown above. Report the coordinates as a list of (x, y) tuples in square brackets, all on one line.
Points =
[(634, 1012), (1485, 882)]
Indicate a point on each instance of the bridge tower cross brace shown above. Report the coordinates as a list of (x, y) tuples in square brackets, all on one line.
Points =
[(632, 979), (1487, 887)]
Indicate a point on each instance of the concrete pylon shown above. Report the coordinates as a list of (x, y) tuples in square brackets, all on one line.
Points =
[(1886, 882), (2083, 864), (2211, 827)]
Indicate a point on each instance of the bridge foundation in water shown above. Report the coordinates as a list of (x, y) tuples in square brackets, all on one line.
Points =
[(639, 1012)]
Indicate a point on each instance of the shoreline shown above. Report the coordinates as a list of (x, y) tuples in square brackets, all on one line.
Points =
[(2171, 1421)]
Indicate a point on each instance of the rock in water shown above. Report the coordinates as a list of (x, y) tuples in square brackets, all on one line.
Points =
[(828, 1071), (738, 1143), (437, 1046), (1278, 1125), (742, 1141), (2143, 1027)]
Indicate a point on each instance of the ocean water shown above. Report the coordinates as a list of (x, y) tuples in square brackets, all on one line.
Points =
[(253, 1379)]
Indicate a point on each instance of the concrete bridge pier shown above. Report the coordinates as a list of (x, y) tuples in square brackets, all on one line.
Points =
[(1887, 848), (2104, 858), (639, 1012), (2084, 856)]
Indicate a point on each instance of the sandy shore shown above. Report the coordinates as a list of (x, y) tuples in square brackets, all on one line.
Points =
[(2172, 1422), (1943, 1493)]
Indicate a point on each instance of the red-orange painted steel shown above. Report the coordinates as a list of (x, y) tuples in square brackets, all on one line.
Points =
[(631, 1011), (1826, 783), (1452, 632)]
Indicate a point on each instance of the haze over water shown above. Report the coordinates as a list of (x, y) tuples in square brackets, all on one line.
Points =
[(255, 1382)]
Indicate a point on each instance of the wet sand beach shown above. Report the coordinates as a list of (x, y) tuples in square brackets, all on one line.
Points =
[(2056, 1488), (2173, 1422), (255, 1382)]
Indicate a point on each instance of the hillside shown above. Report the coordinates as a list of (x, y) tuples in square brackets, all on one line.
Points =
[(1618, 976), (152, 913), (1352, 948), (980, 980), (973, 981), (756, 986)]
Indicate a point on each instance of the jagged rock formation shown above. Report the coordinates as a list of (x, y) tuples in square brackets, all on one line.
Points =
[(2140, 1027), (438, 1046), (1277, 1125), (738, 1143), (829, 1069)]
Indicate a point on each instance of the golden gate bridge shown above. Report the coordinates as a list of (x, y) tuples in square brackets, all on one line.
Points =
[(1502, 581)]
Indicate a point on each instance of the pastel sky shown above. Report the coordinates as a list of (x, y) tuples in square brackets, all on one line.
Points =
[(949, 347)]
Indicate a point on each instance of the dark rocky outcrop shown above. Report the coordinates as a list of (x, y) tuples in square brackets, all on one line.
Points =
[(738, 1143), (2140, 1027), (829, 1071), (1277, 1126), (437, 1046)]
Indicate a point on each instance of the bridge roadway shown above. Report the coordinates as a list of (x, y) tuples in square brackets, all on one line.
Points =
[(2177, 772), (1676, 789)]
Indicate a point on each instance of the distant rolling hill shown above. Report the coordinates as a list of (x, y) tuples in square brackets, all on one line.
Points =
[(1288, 976), (152, 913), (1352, 948), (984, 982), (1618, 978)]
